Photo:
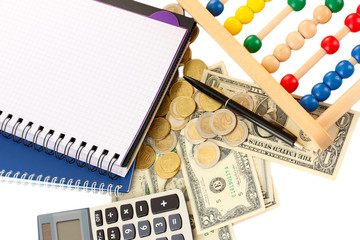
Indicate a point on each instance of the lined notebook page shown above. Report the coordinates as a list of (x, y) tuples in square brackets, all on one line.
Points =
[(83, 68)]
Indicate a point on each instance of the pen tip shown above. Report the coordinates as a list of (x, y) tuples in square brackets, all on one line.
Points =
[(298, 145)]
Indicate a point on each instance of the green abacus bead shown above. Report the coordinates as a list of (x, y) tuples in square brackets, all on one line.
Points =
[(252, 43), (335, 5), (297, 5)]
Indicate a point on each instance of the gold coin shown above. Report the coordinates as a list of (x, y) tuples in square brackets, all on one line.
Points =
[(172, 108), (245, 100), (207, 154), (222, 122), (175, 8), (164, 145), (160, 172), (238, 135), (209, 104), (203, 125), (185, 106), (168, 165), (194, 34), (159, 128), (176, 124), (191, 134), (145, 158), (170, 162), (164, 107), (187, 57), (196, 96), (195, 68), (181, 88)]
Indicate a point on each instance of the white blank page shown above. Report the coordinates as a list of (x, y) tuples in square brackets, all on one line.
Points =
[(83, 68)]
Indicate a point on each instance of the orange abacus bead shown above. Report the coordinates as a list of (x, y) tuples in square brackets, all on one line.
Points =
[(295, 40), (308, 29), (270, 63), (282, 52), (322, 14)]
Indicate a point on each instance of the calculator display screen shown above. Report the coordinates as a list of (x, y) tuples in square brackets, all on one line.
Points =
[(69, 230)]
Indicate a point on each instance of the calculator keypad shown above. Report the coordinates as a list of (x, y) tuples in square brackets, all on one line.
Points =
[(167, 220)]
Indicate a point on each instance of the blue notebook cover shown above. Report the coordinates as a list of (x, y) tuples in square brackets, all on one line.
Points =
[(21, 162)]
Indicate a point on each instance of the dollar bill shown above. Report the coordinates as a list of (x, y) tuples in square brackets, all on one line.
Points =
[(264, 145), (219, 68), (157, 184), (221, 195), (264, 174), (139, 187)]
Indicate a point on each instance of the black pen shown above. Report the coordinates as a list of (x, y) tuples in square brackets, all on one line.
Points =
[(245, 113)]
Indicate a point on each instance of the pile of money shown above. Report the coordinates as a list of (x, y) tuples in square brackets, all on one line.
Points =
[(192, 133), (237, 175)]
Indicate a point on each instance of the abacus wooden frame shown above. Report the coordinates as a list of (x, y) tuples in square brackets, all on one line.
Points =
[(315, 129)]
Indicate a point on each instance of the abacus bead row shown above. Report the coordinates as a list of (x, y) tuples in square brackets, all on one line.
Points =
[(306, 30), (253, 43), (244, 15), (331, 81), (329, 45)]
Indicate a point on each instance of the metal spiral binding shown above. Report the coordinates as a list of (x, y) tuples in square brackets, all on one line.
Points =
[(71, 184), (44, 146)]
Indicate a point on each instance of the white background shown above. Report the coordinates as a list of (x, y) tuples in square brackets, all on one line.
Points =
[(311, 207)]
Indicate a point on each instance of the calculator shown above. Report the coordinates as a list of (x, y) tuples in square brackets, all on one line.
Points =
[(160, 216)]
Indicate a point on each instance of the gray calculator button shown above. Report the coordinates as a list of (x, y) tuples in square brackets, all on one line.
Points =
[(175, 222), (163, 238), (177, 237), (128, 231), (144, 228), (159, 225)]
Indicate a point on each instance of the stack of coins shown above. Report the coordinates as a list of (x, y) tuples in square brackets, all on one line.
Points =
[(167, 165), (214, 121)]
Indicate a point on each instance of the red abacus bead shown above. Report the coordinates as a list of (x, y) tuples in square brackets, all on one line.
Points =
[(330, 44), (353, 22), (290, 83)]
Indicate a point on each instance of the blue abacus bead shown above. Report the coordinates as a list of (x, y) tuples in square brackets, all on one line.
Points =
[(332, 80), (321, 92), (356, 52), (345, 69), (215, 7), (309, 103)]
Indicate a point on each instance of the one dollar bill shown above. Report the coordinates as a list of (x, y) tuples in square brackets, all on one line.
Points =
[(224, 194), (264, 145)]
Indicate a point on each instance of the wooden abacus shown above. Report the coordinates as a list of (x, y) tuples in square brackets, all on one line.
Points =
[(315, 129)]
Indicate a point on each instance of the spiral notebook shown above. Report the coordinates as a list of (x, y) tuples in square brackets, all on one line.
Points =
[(82, 79), (24, 165)]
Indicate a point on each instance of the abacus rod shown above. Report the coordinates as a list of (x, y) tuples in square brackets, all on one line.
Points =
[(223, 1), (342, 33), (340, 107), (274, 22), (309, 63), (353, 61)]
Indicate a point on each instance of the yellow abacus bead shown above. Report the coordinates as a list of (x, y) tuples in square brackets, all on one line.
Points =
[(256, 5), (233, 25), (244, 14)]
